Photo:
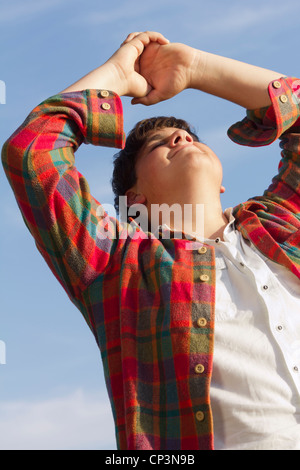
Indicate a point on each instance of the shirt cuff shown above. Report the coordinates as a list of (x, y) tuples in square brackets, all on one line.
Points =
[(263, 126), (101, 116)]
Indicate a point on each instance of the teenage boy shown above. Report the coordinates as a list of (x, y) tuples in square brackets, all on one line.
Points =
[(199, 341)]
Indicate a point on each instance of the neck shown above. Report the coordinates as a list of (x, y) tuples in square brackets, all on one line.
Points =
[(202, 220)]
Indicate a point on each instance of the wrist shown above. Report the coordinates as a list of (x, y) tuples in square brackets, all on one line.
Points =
[(104, 77), (109, 77), (235, 81), (197, 69)]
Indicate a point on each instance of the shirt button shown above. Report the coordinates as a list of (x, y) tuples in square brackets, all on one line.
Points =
[(265, 287), (276, 84), (217, 240), (283, 98), (199, 369), (279, 328), (296, 369), (105, 106), (202, 250), (200, 416), (242, 265), (204, 278), (201, 322), (104, 93)]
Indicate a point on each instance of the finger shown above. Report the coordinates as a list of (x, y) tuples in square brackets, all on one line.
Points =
[(148, 100), (130, 37), (146, 38), (153, 36), (142, 40)]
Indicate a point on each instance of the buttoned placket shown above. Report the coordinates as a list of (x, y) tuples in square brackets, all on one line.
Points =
[(202, 252), (202, 322)]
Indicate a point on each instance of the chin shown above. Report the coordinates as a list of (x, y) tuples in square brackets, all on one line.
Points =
[(197, 162)]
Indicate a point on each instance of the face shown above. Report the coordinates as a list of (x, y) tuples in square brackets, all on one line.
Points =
[(172, 167)]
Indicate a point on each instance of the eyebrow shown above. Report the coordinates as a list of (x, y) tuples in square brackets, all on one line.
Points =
[(150, 140), (153, 138)]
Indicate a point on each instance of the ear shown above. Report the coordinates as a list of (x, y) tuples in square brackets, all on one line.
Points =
[(222, 190), (134, 198)]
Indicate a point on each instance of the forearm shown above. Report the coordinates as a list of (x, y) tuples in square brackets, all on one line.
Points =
[(235, 81), (104, 77)]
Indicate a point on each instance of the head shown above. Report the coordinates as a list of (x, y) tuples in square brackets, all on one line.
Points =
[(146, 172)]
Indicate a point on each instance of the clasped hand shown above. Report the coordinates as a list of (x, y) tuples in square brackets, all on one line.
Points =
[(150, 69)]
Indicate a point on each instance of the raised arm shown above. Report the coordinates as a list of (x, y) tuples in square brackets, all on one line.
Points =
[(39, 161), (174, 67)]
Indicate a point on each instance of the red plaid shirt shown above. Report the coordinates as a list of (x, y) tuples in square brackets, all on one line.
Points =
[(145, 299)]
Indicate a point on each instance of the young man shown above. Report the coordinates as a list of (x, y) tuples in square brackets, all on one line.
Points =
[(199, 342)]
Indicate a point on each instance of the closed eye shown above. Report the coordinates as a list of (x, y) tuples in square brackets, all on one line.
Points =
[(158, 144)]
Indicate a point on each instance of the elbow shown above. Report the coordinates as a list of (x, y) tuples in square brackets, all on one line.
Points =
[(12, 157), (8, 154), (14, 149)]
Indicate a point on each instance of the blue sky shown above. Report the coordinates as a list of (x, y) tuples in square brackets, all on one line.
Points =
[(52, 392)]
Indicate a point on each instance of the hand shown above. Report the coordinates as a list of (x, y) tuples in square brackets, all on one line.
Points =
[(120, 73), (172, 68), (168, 69), (124, 66)]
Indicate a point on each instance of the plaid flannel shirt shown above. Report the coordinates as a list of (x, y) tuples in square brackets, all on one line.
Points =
[(144, 298)]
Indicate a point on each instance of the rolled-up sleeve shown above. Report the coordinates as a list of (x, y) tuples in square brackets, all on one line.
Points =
[(54, 198), (272, 221), (263, 126), (280, 121)]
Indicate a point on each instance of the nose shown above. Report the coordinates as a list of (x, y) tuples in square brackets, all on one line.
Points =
[(180, 137)]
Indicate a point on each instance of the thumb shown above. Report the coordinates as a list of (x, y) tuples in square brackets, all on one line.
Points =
[(151, 98)]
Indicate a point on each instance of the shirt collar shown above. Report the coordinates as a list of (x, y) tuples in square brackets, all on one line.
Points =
[(165, 229)]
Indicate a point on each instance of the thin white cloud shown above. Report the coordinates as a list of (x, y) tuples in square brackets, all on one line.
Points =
[(77, 421), (239, 17), (219, 18), (20, 11), (130, 10)]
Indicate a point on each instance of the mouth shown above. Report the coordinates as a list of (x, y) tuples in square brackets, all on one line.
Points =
[(182, 147)]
